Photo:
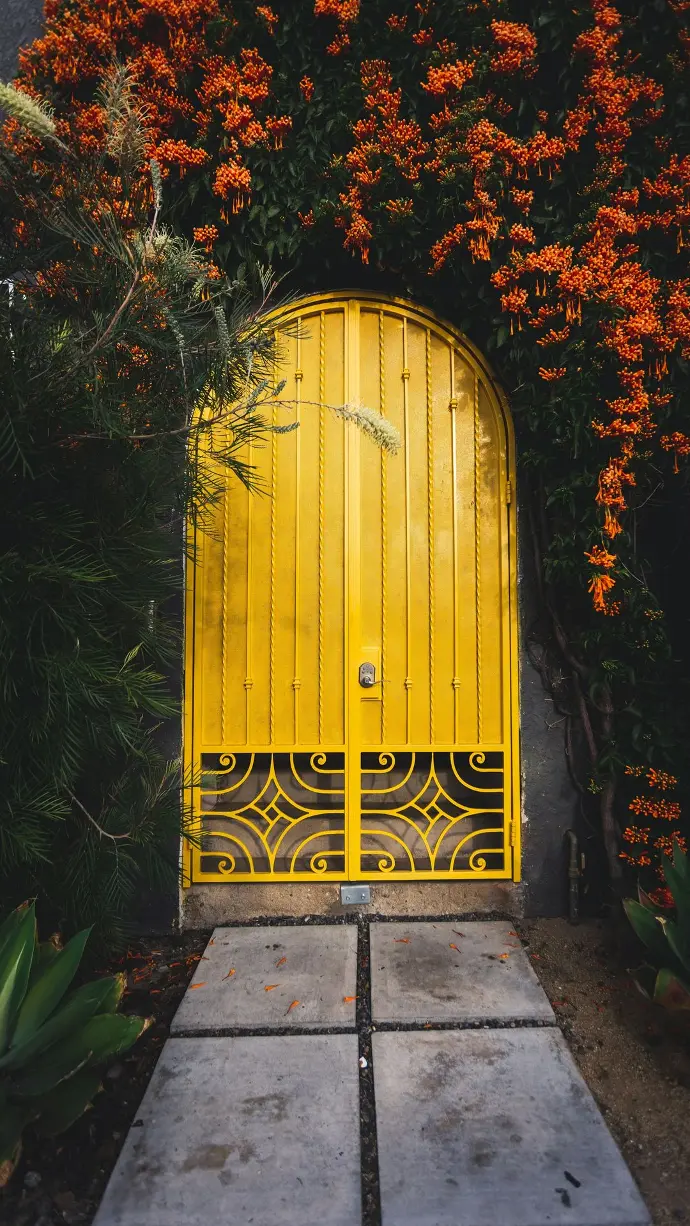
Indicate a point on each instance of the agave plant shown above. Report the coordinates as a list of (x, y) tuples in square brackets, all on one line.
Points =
[(668, 940), (52, 1041)]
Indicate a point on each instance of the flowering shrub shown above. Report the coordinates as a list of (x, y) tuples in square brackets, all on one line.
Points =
[(649, 845), (528, 178)]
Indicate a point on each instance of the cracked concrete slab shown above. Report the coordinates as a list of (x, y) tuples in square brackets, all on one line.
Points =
[(277, 976), (481, 1127), (453, 972), (248, 1131)]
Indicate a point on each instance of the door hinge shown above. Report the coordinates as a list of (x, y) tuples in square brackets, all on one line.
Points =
[(509, 492)]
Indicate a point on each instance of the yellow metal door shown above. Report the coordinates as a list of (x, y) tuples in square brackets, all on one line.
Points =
[(350, 695)]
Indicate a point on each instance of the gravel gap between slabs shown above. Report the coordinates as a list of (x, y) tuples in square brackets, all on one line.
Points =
[(369, 1155)]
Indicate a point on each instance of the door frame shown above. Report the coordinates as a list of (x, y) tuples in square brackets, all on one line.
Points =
[(476, 360)]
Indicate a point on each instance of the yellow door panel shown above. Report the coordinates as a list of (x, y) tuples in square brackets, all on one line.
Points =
[(350, 697)]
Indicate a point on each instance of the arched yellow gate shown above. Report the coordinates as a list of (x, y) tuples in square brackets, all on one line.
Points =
[(351, 674)]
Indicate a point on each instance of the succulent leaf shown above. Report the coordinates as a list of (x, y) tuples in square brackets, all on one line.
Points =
[(15, 968), (100, 1038), (61, 1107), (671, 992), (77, 1009), (48, 991), (647, 927), (13, 1120)]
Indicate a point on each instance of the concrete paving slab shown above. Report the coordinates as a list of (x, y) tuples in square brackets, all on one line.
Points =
[(273, 976), (453, 972), (243, 1132), (494, 1128)]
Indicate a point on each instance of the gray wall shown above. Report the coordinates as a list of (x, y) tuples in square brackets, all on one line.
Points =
[(549, 800), (20, 22)]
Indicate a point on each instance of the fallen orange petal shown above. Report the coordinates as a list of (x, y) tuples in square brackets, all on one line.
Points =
[(230, 973), (292, 1006), (504, 956), (212, 941), (452, 946), (348, 999), (193, 986), (281, 962), (401, 940), (270, 986)]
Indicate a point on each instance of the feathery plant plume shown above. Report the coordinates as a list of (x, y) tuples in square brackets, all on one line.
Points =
[(157, 182), (379, 428), (31, 114), (125, 119), (223, 334)]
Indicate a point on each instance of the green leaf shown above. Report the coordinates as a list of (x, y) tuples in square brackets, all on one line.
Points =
[(681, 862), (677, 940), (116, 988), (59, 1109), (102, 1037), (44, 953), (647, 927), (644, 979), (671, 991), (82, 1004), (13, 1120), (10, 925), (47, 993), (680, 888), (15, 968), (646, 901)]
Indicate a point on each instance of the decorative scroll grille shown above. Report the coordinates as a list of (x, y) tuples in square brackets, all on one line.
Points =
[(267, 813), (425, 812)]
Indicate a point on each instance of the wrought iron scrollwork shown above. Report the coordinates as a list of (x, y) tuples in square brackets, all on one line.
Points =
[(269, 813), (426, 812)]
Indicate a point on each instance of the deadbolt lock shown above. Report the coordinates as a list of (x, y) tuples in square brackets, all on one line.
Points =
[(367, 675)]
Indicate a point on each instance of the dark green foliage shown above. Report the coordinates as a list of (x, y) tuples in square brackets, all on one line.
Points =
[(51, 1041), (667, 940), (117, 348)]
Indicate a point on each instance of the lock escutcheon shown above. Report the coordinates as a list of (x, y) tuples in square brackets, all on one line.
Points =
[(367, 675)]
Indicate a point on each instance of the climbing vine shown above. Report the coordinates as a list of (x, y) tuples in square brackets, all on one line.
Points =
[(523, 168)]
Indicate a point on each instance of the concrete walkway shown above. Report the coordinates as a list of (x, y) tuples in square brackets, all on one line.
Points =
[(381, 1074)]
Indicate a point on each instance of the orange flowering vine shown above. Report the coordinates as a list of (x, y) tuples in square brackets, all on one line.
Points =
[(462, 139)]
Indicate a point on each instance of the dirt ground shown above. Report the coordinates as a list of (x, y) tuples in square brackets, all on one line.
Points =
[(635, 1060)]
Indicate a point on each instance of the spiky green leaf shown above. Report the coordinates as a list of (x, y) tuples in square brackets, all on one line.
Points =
[(101, 1038), (82, 1004), (48, 991), (15, 968), (10, 925), (647, 927), (58, 1110), (13, 1120), (679, 942), (671, 991), (116, 988)]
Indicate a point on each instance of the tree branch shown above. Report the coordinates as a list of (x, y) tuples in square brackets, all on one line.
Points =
[(101, 831)]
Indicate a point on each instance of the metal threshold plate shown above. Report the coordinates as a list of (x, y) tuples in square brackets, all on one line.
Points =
[(355, 895)]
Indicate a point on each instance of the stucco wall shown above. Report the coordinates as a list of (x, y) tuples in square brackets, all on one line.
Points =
[(20, 22)]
